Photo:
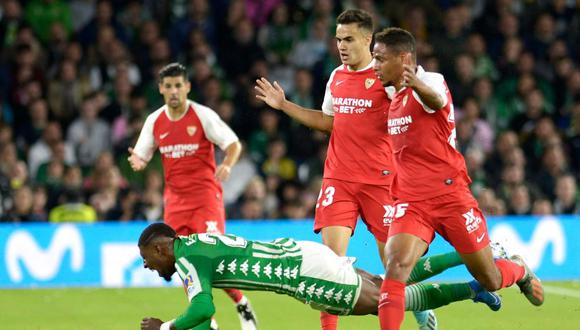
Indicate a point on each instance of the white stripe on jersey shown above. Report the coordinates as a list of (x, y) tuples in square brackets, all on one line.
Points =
[(191, 279)]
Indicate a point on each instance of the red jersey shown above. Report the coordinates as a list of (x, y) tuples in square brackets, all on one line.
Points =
[(187, 152), (423, 140), (359, 150)]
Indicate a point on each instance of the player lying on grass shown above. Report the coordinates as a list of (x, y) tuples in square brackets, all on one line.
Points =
[(307, 271)]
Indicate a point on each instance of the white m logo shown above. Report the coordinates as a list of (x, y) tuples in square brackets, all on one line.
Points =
[(43, 264), (548, 231)]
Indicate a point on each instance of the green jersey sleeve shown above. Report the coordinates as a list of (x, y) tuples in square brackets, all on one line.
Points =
[(196, 276)]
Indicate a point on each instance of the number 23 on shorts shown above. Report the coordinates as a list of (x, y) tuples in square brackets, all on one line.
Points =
[(328, 195)]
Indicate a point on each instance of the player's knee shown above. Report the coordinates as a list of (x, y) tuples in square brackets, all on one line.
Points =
[(489, 280), (399, 266)]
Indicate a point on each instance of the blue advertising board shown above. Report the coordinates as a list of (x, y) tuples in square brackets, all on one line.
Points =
[(106, 255)]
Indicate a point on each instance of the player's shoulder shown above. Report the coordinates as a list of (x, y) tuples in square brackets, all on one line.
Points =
[(155, 114), (429, 75), (200, 109)]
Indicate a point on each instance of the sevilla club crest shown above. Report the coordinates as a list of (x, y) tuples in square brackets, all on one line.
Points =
[(191, 130), (369, 82)]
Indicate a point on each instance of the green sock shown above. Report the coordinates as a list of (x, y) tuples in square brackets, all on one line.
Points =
[(422, 296), (433, 265)]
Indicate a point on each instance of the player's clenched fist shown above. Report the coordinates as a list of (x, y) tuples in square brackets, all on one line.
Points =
[(150, 323), (137, 164), (409, 77)]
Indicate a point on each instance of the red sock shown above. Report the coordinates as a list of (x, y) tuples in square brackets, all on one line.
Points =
[(328, 321), (510, 272), (392, 304), (235, 294)]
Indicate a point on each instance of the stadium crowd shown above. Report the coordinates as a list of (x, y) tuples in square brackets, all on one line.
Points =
[(78, 78)]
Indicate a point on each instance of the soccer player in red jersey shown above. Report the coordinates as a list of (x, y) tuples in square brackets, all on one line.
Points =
[(430, 184), (185, 133), (358, 169)]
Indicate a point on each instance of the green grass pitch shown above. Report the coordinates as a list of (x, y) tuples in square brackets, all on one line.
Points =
[(62, 309)]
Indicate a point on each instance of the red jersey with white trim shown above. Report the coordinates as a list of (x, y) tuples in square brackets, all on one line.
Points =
[(359, 150), (423, 140), (187, 152)]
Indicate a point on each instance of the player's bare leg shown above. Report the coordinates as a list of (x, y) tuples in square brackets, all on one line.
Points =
[(502, 273), (425, 319), (337, 239), (402, 252)]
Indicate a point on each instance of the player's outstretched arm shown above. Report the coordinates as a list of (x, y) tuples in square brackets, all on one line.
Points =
[(274, 96)]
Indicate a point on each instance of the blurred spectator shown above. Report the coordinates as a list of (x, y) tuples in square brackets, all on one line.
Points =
[(22, 210), (42, 150), (542, 206), (277, 37), (277, 162), (88, 135), (309, 51), (31, 130), (66, 92), (567, 197), (259, 140), (520, 201), (72, 209), (42, 14), (11, 22), (240, 176)]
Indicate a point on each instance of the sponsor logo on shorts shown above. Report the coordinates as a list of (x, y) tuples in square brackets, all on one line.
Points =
[(394, 211), (212, 227), (471, 221)]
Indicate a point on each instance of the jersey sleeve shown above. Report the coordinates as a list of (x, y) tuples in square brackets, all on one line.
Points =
[(437, 83), (216, 130), (327, 106), (145, 146), (198, 288)]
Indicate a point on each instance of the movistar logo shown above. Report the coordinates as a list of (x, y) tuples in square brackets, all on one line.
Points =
[(22, 251), (548, 232)]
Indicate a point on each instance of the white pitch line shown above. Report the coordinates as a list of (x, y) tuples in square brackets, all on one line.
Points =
[(562, 291)]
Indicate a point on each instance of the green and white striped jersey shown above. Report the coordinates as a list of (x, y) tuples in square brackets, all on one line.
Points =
[(307, 271)]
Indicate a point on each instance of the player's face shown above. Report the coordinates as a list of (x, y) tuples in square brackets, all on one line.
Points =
[(388, 64), (352, 43), (174, 91), (154, 259)]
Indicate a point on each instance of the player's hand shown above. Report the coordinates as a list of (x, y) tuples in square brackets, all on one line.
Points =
[(151, 323), (137, 164), (272, 94), (409, 77), (223, 172)]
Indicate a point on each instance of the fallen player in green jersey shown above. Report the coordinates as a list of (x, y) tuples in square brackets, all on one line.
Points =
[(304, 270)]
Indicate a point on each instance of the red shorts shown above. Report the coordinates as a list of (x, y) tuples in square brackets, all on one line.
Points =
[(195, 221), (455, 216), (341, 202)]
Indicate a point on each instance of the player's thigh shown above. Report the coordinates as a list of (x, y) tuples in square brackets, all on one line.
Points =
[(195, 221), (375, 202), (336, 238), (336, 205), (409, 218), (460, 221), (327, 282)]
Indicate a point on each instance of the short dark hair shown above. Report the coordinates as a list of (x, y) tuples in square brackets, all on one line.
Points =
[(156, 230), (173, 70), (362, 18), (399, 39)]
